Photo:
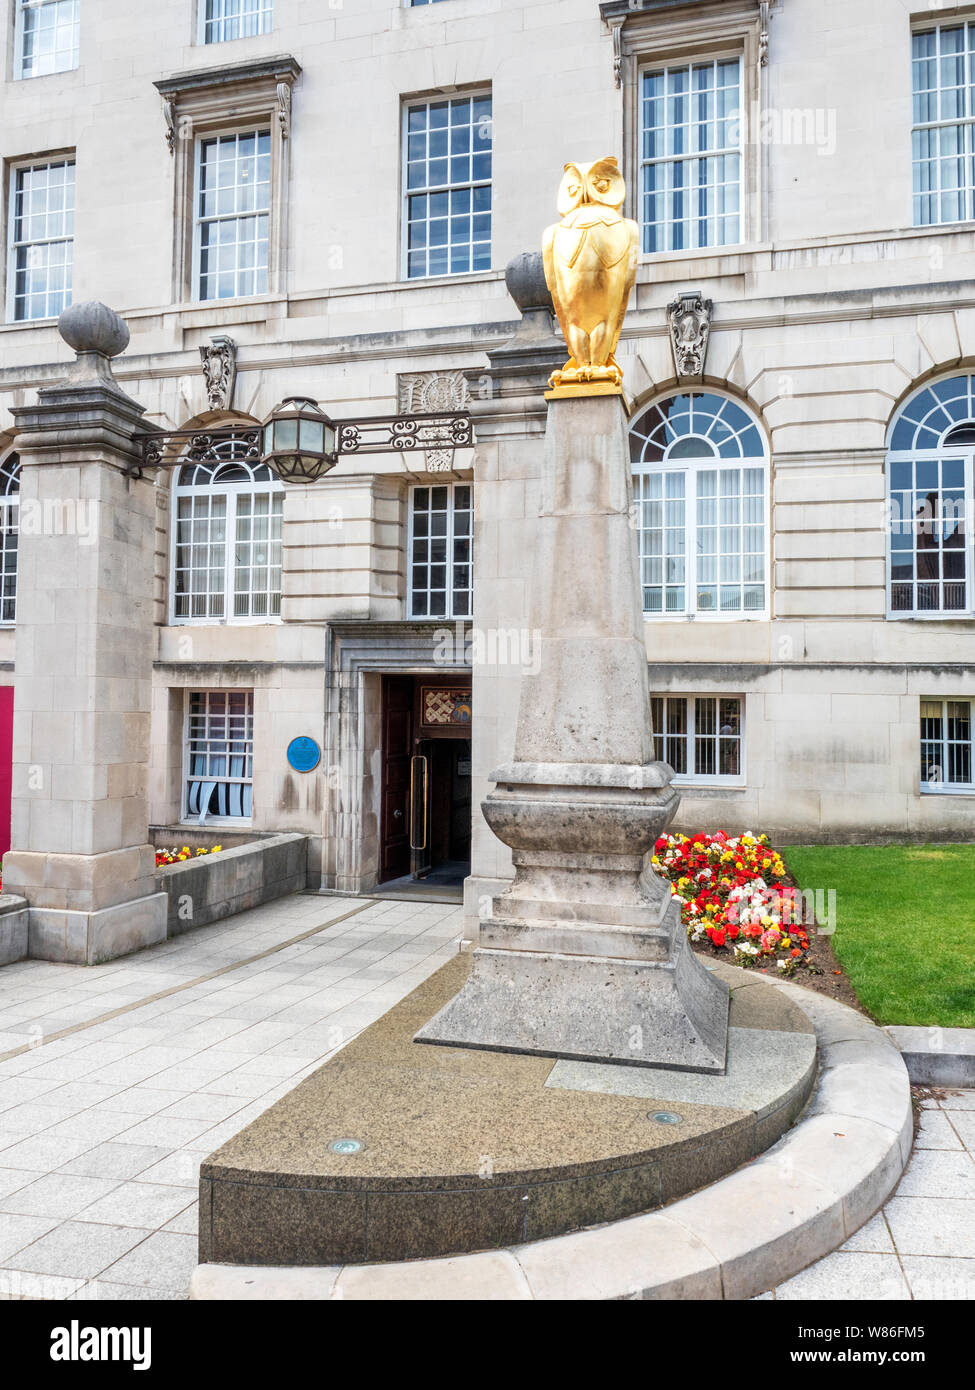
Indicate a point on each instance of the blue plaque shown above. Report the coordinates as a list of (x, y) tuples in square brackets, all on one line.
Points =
[(304, 754)]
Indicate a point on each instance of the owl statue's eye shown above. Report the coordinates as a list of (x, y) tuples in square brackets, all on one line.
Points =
[(602, 185), (573, 189)]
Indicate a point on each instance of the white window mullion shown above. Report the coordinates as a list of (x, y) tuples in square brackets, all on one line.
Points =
[(204, 587), (225, 20), (231, 215), (219, 754), (40, 239), (46, 36), (691, 703), (447, 186), (674, 155), (970, 533)]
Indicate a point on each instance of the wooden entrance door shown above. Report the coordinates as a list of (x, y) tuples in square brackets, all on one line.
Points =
[(394, 850)]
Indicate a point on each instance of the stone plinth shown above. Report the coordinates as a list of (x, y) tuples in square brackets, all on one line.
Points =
[(455, 1151), (81, 854), (584, 955)]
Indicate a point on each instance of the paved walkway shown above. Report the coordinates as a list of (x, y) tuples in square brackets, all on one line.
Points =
[(116, 1081), (922, 1244)]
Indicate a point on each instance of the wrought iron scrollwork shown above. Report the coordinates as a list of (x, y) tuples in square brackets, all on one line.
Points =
[(399, 433), (199, 445), (378, 435)]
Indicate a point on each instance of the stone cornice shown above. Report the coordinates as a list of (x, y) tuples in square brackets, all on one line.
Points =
[(65, 425), (280, 68)]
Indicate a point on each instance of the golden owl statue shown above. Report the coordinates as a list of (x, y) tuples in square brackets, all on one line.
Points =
[(590, 265)]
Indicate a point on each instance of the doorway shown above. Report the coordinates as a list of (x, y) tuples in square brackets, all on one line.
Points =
[(426, 781)]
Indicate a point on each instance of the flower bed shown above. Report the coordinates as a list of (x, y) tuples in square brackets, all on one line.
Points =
[(732, 895), (180, 856)]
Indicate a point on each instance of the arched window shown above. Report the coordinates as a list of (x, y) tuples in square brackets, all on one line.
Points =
[(9, 530), (700, 485), (227, 538), (930, 457)]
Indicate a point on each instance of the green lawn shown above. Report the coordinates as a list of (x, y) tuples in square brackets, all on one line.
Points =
[(905, 926)]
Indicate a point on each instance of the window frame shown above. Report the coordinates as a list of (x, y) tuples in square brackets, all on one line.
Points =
[(196, 228), (201, 28), (187, 817), (451, 485), (650, 39), (229, 490), (408, 103), (14, 169), (10, 469), (664, 68), (702, 779), (947, 788), (944, 453), (690, 467), (221, 102), (20, 8), (928, 26)]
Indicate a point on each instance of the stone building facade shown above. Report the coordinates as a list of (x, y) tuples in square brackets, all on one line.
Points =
[(290, 197)]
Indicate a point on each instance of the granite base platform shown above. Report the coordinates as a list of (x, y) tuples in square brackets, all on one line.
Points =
[(395, 1150)]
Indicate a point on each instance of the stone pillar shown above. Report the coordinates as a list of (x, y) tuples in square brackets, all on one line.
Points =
[(84, 654), (508, 408), (585, 955)]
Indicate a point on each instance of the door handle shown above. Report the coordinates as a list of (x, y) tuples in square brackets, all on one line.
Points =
[(397, 814), (418, 767)]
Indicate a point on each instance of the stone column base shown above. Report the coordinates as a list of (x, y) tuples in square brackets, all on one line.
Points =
[(89, 938), (668, 1011)]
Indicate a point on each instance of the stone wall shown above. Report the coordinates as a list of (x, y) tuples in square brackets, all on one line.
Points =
[(826, 315), (14, 928), (208, 889)]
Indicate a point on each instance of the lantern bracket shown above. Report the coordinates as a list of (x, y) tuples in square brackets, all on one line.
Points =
[(381, 434)]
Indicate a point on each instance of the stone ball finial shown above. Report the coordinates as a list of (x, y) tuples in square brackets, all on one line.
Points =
[(94, 327), (525, 278)]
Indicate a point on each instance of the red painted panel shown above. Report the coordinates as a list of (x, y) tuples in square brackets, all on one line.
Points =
[(6, 762)]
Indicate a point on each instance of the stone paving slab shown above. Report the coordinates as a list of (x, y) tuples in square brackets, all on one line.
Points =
[(39, 998), (926, 1229), (117, 1080), (764, 1066)]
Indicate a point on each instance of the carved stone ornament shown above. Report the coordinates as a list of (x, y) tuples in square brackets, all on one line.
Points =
[(219, 359), (763, 38), (427, 393), (284, 108), (169, 114), (616, 27), (690, 329)]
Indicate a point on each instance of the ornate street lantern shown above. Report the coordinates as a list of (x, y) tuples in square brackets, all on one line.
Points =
[(299, 441)]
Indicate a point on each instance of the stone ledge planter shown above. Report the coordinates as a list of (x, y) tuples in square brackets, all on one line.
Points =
[(212, 887), (13, 928)]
